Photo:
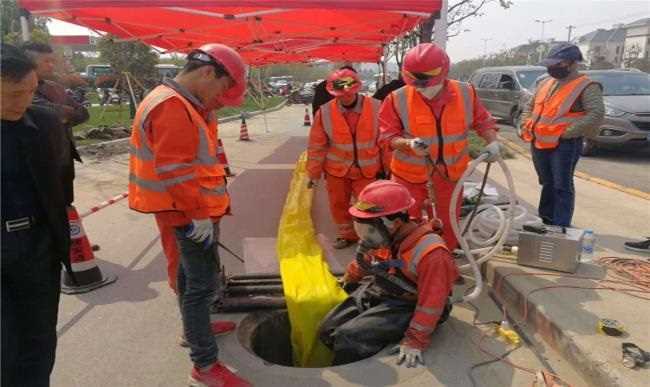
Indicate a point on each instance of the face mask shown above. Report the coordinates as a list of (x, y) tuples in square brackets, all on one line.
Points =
[(374, 234), (559, 72), (431, 91)]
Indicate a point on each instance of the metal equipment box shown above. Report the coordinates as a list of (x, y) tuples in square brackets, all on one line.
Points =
[(558, 248)]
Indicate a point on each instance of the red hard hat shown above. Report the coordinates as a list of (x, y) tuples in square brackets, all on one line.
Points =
[(425, 65), (236, 68), (381, 198), (343, 82)]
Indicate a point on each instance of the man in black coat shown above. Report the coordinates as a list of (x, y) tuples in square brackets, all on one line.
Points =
[(35, 232), (52, 96)]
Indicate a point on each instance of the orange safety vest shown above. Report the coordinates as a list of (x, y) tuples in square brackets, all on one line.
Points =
[(551, 114), (419, 121), (345, 149), (147, 190), (417, 246)]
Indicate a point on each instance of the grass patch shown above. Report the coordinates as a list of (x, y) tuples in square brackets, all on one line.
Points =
[(118, 115)]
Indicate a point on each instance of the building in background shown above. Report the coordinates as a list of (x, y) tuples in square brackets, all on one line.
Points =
[(74, 43), (603, 48), (637, 41)]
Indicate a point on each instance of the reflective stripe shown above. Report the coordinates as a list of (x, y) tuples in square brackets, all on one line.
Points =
[(420, 248), (429, 311), (326, 118), (316, 158), (420, 328), (219, 190), (204, 156), (558, 120), (159, 185), (457, 157), (551, 139), (335, 158), (468, 104), (173, 167), (449, 138), (366, 145), (366, 163), (403, 111), (376, 105), (344, 147), (144, 152), (565, 107), (406, 158)]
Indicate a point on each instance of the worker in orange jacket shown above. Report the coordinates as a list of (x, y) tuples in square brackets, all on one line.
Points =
[(405, 293), (175, 174), (343, 143), (426, 123)]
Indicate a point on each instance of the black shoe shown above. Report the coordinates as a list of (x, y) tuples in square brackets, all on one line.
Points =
[(641, 247)]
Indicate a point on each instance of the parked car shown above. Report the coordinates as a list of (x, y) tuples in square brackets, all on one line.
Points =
[(627, 109), (505, 90)]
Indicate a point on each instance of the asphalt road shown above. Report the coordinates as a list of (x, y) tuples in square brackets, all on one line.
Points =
[(627, 166)]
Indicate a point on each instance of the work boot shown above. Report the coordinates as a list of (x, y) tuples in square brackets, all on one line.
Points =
[(218, 328), (641, 247), (341, 243), (217, 376)]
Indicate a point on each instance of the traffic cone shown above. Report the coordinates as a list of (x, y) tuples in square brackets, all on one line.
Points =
[(223, 159), (243, 131), (307, 121), (85, 270)]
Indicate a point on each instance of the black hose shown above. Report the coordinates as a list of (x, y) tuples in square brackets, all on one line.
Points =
[(478, 201)]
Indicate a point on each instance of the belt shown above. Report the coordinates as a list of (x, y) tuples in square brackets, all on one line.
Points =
[(19, 224)]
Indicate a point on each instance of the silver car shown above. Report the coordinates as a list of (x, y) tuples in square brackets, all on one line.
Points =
[(627, 109)]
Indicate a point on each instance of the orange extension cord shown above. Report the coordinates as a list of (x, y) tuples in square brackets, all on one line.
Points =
[(628, 275)]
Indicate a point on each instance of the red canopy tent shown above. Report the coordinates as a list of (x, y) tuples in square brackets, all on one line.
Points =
[(263, 31)]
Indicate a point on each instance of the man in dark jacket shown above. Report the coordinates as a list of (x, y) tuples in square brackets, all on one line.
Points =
[(53, 96), (388, 88), (35, 233)]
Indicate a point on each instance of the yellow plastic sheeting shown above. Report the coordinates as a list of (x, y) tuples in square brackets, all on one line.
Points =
[(309, 288)]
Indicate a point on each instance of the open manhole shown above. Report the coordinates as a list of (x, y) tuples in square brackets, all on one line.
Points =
[(267, 334)]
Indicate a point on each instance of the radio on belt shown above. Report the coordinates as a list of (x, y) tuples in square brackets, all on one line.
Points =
[(550, 247)]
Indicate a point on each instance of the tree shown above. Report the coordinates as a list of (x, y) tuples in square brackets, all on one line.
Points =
[(10, 25), (133, 57)]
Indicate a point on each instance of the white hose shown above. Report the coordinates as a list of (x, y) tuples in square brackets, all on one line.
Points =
[(503, 225)]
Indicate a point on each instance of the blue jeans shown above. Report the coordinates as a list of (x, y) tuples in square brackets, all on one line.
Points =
[(198, 276), (555, 168)]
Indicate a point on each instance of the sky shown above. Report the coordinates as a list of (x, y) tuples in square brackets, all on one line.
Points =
[(507, 28)]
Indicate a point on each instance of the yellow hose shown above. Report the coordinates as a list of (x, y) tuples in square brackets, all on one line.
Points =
[(309, 288)]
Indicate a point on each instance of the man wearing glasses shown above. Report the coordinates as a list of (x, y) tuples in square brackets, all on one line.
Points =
[(427, 124), (175, 174)]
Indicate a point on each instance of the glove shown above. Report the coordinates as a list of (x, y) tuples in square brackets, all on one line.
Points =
[(311, 184), (419, 147), (201, 230), (493, 150), (411, 356)]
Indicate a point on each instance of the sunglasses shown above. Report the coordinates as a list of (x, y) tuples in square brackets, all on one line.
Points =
[(424, 76), (203, 57), (343, 83)]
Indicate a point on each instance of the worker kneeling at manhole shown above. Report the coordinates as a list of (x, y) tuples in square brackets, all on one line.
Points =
[(402, 278)]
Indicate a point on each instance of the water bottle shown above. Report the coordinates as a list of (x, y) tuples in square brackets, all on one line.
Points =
[(588, 244)]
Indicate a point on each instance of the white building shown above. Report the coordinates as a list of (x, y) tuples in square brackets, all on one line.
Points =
[(637, 40), (603, 46)]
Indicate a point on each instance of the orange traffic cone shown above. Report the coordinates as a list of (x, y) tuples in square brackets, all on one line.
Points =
[(223, 159), (307, 121), (85, 270), (243, 131)]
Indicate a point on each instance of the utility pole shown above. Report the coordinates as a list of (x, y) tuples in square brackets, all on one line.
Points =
[(570, 28), (24, 25), (440, 26), (485, 40), (543, 23)]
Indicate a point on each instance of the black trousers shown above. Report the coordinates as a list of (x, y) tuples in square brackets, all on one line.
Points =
[(364, 323), (31, 283)]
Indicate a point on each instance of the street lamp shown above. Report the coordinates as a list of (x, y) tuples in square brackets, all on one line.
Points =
[(543, 22)]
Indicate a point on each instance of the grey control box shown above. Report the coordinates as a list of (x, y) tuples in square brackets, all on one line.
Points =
[(558, 248)]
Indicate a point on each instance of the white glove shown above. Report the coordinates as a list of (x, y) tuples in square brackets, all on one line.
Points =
[(419, 147), (201, 230), (493, 150), (405, 354)]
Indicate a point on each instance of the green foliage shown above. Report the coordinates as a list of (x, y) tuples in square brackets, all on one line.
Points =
[(641, 64), (10, 25), (133, 57)]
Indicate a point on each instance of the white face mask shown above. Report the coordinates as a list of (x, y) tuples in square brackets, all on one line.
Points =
[(431, 91)]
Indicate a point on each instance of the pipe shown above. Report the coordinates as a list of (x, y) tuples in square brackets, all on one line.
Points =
[(248, 304), (267, 289), (505, 224)]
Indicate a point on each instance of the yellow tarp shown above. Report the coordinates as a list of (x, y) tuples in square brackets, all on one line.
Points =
[(309, 288)]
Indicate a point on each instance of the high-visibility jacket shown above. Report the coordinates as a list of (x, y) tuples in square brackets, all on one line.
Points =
[(552, 114), (201, 182), (346, 147), (448, 134), (432, 277)]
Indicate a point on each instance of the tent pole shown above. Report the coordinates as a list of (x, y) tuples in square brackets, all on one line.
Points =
[(263, 105)]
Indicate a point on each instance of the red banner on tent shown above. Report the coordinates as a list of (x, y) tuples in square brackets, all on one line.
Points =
[(263, 31)]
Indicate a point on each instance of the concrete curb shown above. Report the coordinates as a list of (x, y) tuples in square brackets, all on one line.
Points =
[(582, 175), (85, 149), (541, 328)]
